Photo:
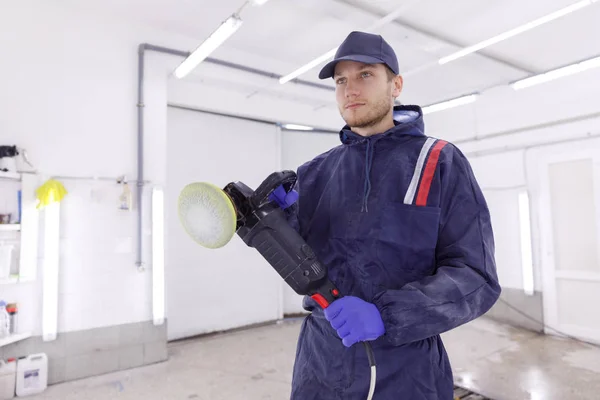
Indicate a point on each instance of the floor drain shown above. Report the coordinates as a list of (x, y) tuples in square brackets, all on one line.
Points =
[(464, 394)]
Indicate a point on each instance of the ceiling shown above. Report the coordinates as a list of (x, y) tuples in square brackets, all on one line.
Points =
[(283, 35)]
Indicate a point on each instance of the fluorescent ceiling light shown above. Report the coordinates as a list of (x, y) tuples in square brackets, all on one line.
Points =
[(556, 73), (298, 127), (513, 32), (223, 32), (258, 2), (460, 101), (308, 66)]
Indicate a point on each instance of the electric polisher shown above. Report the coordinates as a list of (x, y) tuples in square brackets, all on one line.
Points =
[(211, 216)]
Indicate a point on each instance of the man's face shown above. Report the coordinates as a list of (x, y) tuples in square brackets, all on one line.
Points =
[(365, 93)]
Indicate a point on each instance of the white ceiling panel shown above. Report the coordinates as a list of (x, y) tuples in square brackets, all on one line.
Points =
[(291, 31), (565, 41), (283, 35), (187, 17), (453, 80), (470, 21)]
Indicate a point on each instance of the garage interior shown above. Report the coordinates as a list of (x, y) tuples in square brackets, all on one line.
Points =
[(114, 299)]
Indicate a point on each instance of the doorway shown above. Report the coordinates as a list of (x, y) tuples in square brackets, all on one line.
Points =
[(566, 183)]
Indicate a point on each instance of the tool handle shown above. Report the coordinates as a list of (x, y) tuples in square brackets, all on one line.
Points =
[(326, 294), (273, 181), (289, 254)]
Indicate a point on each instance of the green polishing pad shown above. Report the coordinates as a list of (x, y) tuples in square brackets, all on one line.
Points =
[(207, 214)]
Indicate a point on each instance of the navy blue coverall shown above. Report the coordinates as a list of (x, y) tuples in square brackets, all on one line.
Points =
[(400, 221)]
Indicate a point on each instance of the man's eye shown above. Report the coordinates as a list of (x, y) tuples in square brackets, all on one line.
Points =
[(340, 81), (365, 74)]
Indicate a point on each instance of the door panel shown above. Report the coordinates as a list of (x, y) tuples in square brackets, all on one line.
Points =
[(214, 290), (565, 183), (573, 215)]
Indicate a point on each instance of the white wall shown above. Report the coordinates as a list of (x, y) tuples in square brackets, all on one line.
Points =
[(296, 149), (213, 290), (69, 87), (68, 83), (503, 134)]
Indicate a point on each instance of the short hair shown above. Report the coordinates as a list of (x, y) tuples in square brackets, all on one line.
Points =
[(390, 74)]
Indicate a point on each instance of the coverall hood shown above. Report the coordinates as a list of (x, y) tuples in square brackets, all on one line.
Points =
[(408, 120)]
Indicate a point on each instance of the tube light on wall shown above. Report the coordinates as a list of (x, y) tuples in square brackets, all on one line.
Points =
[(223, 32), (557, 73), (445, 105), (526, 250), (295, 127), (516, 31), (50, 274), (158, 256)]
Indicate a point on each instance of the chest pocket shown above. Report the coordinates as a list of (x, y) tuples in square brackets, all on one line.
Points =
[(407, 239)]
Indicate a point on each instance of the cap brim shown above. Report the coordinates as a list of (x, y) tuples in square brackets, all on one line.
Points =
[(329, 69)]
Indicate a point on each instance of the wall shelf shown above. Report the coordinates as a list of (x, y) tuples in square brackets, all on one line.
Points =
[(14, 338), (10, 227), (10, 175)]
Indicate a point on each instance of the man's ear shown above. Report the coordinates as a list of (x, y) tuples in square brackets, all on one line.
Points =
[(397, 85)]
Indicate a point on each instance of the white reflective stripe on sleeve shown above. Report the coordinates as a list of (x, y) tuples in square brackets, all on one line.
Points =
[(412, 188)]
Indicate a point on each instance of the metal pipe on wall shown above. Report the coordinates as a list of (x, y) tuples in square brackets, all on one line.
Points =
[(528, 128), (508, 149), (267, 74), (142, 48), (281, 126)]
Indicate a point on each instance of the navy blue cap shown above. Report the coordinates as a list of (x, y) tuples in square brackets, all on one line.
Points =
[(365, 48)]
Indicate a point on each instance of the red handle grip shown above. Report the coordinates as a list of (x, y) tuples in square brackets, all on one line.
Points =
[(325, 297)]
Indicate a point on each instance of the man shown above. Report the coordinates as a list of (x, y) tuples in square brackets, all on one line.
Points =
[(402, 225)]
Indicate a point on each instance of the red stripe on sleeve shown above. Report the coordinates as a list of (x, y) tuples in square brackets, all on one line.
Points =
[(427, 177)]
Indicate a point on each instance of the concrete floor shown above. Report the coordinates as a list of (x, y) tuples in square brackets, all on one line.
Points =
[(496, 360)]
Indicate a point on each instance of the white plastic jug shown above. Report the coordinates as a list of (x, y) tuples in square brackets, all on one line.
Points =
[(5, 260), (8, 371), (32, 374)]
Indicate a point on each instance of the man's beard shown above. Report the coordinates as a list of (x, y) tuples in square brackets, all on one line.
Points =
[(372, 117)]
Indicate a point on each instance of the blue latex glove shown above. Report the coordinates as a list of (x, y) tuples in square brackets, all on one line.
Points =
[(282, 198), (355, 320)]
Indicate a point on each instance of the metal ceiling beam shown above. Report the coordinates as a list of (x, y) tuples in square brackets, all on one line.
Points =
[(436, 37)]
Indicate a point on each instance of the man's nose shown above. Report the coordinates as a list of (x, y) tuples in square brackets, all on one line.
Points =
[(351, 89)]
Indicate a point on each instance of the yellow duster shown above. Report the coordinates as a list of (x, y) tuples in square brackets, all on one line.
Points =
[(51, 191)]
